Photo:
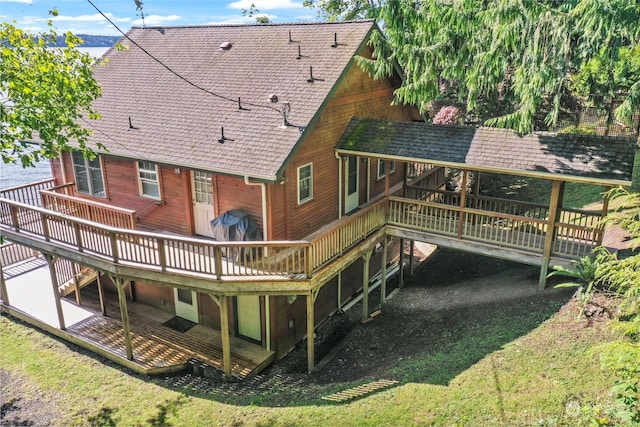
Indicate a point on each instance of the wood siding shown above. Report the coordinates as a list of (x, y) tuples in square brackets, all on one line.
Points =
[(356, 95)]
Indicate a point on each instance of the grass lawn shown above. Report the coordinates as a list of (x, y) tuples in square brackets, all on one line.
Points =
[(530, 381)]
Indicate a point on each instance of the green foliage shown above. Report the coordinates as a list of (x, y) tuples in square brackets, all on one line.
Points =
[(345, 10), (519, 56), (584, 275), (45, 91)]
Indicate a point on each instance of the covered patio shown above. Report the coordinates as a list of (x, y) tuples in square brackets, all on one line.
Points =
[(157, 349), (518, 230)]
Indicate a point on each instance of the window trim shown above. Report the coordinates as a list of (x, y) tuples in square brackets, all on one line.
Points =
[(310, 178), (87, 172), (392, 168), (141, 180)]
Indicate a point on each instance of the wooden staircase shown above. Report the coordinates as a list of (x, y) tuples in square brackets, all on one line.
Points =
[(84, 277)]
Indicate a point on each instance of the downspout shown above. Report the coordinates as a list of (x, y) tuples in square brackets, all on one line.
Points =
[(340, 184), (265, 237)]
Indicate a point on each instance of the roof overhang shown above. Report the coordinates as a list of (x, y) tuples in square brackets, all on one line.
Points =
[(581, 158)]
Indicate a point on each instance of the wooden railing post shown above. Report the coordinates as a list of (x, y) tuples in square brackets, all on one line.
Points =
[(76, 229), (162, 256), (310, 262), (114, 247), (217, 254), (14, 218), (45, 227)]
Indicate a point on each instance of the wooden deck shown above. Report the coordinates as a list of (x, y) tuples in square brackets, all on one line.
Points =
[(157, 349)]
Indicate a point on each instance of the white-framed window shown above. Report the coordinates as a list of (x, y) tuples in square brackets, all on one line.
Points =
[(381, 168), (305, 183), (88, 174), (148, 180)]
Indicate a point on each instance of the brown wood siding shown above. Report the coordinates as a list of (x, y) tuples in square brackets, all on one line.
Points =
[(357, 95), (156, 296), (233, 193)]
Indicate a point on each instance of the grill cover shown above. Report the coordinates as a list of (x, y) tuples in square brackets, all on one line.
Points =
[(235, 226)]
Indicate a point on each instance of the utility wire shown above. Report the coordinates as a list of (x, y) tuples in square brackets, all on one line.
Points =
[(226, 98)]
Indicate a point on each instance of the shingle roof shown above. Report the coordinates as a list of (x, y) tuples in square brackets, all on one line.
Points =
[(587, 158), (178, 124)]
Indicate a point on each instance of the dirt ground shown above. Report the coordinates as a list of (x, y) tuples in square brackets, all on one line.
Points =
[(452, 293), (452, 296)]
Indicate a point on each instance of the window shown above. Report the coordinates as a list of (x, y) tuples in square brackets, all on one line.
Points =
[(148, 181), (305, 183), (381, 168), (88, 174)]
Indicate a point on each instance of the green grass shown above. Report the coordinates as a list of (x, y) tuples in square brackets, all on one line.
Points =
[(527, 381)]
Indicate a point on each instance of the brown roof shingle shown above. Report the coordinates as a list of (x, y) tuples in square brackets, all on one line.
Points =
[(176, 122), (577, 157)]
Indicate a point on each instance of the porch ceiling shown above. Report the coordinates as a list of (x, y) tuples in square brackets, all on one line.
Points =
[(567, 157)]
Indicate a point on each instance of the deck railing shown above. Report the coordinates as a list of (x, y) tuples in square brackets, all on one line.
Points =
[(13, 253), (576, 232), (347, 233), (28, 193), (88, 209)]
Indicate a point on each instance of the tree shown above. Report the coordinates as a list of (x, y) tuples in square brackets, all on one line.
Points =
[(345, 10), (46, 92), (506, 60)]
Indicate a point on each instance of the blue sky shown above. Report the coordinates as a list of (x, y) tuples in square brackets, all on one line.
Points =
[(80, 17)]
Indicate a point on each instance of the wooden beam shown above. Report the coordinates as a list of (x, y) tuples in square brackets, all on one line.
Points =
[(224, 334), (463, 203), (383, 283), (51, 261), (603, 214), (4, 296), (365, 284), (554, 209), (339, 291), (412, 245), (124, 314), (310, 333), (387, 172), (401, 264), (267, 320), (76, 284), (103, 306)]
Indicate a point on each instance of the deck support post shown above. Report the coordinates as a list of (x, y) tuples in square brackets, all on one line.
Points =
[(267, 320), (124, 314), (365, 284), (76, 284), (224, 334), (401, 264), (383, 282), (412, 245), (51, 261), (103, 306), (340, 290), (310, 334), (557, 189), (4, 296)]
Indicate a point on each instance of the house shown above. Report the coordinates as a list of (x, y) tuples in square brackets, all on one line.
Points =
[(206, 122)]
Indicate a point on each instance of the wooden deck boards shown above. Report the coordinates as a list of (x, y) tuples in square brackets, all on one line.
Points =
[(157, 349)]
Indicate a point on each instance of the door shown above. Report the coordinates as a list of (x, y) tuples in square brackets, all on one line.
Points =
[(202, 184), (248, 317), (186, 304), (352, 184)]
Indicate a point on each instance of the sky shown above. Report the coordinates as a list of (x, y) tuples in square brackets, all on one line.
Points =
[(80, 17)]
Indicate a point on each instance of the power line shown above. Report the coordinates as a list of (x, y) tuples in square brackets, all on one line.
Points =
[(175, 73)]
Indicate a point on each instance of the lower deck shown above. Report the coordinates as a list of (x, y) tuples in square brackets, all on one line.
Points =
[(158, 349)]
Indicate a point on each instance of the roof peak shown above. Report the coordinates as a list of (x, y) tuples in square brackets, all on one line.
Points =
[(256, 25)]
